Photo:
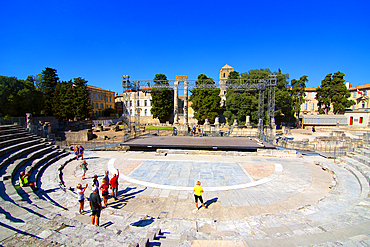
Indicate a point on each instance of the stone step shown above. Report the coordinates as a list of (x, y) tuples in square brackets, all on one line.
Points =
[(19, 134), (10, 142), (18, 146)]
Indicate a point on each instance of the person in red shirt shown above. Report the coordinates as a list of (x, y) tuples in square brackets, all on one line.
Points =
[(104, 192), (114, 185)]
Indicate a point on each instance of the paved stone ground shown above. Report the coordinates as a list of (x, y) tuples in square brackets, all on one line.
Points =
[(252, 201)]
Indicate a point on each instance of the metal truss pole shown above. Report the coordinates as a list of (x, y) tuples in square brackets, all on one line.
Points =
[(261, 105), (126, 85)]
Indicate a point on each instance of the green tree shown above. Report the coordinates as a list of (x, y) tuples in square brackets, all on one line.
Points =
[(18, 97), (48, 86), (339, 94), (205, 102), (333, 92), (323, 95), (240, 104), (81, 99), (297, 88), (162, 99)]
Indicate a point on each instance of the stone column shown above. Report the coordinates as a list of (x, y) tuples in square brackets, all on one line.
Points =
[(186, 84), (248, 121), (176, 104)]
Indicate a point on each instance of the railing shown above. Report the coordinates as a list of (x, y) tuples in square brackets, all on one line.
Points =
[(21, 121)]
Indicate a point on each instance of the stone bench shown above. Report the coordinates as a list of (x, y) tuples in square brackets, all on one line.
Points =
[(18, 146), (15, 135), (10, 142)]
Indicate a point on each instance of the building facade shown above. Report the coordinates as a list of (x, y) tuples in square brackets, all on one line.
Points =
[(224, 74), (100, 100)]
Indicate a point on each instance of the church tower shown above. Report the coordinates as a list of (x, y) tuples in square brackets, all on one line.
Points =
[(224, 74)]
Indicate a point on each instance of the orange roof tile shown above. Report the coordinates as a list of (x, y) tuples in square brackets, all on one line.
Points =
[(98, 88)]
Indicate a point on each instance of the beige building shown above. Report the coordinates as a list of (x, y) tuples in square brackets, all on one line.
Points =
[(100, 99), (359, 94)]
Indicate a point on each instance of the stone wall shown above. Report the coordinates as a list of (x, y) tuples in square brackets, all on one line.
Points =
[(78, 136)]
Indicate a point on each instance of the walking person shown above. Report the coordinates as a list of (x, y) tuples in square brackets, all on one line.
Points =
[(81, 150), (81, 197), (199, 130), (198, 190), (194, 130), (114, 185), (84, 169), (95, 205), (104, 192)]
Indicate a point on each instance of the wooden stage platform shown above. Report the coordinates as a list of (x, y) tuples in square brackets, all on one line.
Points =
[(150, 143)]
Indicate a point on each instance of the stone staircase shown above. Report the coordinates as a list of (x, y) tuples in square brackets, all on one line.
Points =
[(35, 218)]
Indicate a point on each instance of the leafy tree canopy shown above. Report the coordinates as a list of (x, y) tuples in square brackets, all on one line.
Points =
[(162, 99), (297, 92), (205, 102)]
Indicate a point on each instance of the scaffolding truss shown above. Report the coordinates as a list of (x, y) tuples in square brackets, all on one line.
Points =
[(259, 86)]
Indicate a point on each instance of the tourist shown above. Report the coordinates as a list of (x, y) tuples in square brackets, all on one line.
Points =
[(199, 130), (81, 197), (23, 180), (95, 181), (76, 151), (194, 130), (198, 190), (104, 192), (84, 169), (114, 185), (81, 150), (313, 129), (106, 176), (95, 205)]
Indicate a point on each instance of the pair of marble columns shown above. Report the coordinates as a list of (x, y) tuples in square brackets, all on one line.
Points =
[(176, 103)]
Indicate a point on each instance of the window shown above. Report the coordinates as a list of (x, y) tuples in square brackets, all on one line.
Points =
[(313, 95), (145, 102), (138, 103), (101, 106), (361, 120), (224, 75), (365, 93), (363, 104), (145, 94), (305, 106), (130, 102), (110, 106), (96, 96), (96, 105), (92, 96), (106, 106), (110, 99), (306, 95), (151, 103), (145, 112), (312, 106), (130, 112), (106, 98), (354, 94)]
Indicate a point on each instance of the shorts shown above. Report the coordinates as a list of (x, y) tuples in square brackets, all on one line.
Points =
[(115, 189), (198, 197), (81, 200), (95, 213), (104, 193)]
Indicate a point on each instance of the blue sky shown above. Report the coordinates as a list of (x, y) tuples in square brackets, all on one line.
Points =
[(103, 40)]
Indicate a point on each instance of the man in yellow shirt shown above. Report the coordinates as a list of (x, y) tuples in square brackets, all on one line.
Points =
[(198, 190)]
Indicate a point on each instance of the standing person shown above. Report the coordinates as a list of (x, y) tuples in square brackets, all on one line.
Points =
[(198, 190), (106, 176), (313, 129), (199, 130), (81, 150), (114, 185), (95, 205), (81, 197), (194, 130), (95, 181), (76, 151), (104, 192), (84, 169)]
